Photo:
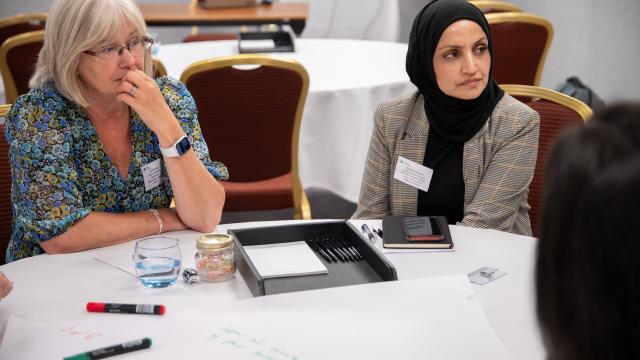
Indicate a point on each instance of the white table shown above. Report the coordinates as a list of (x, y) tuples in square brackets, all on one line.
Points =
[(348, 79), (56, 287)]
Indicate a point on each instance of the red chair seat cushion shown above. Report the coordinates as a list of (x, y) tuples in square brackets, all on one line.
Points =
[(274, 193)]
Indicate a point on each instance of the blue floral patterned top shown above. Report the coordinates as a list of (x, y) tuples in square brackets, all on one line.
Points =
[(61, 172)]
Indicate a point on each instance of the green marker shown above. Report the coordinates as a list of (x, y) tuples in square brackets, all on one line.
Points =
[(112, 350)]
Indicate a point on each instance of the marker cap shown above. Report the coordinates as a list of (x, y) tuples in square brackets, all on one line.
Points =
[(95, 307)]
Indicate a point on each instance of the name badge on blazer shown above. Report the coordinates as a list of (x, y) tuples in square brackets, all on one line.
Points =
[(413, 174)]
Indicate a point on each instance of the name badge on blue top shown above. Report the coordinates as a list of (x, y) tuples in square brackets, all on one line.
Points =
[(151, 174)]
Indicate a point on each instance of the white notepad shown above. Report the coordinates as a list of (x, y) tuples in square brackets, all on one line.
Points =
[(285, 259)]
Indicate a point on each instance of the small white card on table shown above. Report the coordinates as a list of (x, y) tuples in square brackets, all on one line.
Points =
[(285, 259)]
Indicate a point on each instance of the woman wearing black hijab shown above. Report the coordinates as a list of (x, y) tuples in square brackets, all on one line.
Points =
[(480, 143)]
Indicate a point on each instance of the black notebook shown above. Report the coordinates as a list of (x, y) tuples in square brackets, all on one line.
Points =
[(424, 228)]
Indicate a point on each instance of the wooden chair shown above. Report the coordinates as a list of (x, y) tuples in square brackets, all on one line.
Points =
[(158, 68), (491, 6), (520, 45), (21, 23), (18, 57), (250, 108), (6, 209), (558, 112)]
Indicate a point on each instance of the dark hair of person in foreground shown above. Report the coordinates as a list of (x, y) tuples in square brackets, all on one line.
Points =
[(588, 265)]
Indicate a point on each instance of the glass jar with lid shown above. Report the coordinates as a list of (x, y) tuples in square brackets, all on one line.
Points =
[(215, 259)]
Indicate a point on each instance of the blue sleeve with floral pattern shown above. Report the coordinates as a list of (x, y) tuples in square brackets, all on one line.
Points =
[(183, 106), (45, 194)]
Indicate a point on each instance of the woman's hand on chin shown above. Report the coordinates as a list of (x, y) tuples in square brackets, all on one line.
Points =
[(143, 95)]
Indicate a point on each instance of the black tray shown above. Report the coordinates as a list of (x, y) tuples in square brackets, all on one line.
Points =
[(373, 268)]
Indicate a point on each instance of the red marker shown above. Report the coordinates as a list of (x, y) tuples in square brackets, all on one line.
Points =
[(126, 308)]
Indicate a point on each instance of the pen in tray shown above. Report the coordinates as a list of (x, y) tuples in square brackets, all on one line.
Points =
[(352, 249), (339, 249), (345, 248), (335, 250), (317, 249), (326, 249)]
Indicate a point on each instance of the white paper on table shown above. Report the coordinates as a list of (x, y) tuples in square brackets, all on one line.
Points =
[(436, 318), (55, 340), (377, 224), (285, 259)]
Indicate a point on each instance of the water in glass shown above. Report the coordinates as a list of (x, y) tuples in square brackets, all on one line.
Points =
[(157, 261)]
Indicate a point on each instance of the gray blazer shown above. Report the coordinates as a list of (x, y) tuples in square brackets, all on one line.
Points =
[(498, 164)]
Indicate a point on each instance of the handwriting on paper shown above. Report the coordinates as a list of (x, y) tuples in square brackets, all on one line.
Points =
[(255, 346), (72, 330)]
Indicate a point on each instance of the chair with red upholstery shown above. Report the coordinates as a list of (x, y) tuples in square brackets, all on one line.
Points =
[(520, 45), (250, 108), (21, 23), (558, 112), (18, 57), (6, 209), (491, 6)]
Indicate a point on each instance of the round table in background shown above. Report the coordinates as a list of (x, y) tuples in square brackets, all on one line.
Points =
[(348, 79)]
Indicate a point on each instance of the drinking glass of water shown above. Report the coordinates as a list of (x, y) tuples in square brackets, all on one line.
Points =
[(157, 260)]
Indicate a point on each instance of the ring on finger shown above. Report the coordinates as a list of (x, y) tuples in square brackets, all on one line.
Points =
[(133, 90)]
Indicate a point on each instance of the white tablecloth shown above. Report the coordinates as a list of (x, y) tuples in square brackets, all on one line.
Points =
[(57, 287), (348, 79)]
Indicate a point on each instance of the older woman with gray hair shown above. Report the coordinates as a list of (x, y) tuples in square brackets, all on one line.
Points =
[(98, 148)]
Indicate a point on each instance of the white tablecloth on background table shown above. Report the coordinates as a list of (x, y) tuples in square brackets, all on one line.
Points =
[(56, 287), (348, 79)]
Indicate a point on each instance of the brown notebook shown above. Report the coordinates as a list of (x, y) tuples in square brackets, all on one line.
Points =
[(395, 236)]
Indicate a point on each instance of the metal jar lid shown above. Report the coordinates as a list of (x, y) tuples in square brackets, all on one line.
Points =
[(214, 242)]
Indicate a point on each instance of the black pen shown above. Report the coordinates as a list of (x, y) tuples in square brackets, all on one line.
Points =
[(346, 250), (337, 251), (318, 250), (339, 248), (330, 251), (322, 246), (112, 350), (378, 232), (352, 249)]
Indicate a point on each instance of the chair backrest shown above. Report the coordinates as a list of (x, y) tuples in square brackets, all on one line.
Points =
[(158, 68), (558, 112), (520, 45), (250, 109), (491, 6), (18, 57), (6, 209), (21, 23)]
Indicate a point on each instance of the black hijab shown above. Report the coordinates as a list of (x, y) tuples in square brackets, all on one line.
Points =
[(454, 119)]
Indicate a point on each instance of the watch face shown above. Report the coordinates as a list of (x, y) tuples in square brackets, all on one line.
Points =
[(183, 146)]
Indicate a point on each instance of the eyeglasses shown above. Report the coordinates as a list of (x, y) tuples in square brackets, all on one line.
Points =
[(136, 47)]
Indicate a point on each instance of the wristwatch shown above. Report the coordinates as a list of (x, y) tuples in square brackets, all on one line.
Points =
[(178, 149)]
